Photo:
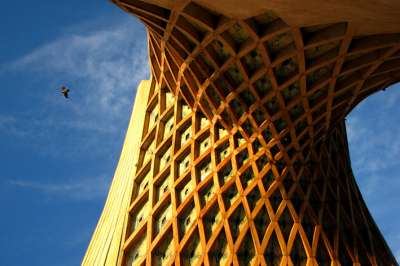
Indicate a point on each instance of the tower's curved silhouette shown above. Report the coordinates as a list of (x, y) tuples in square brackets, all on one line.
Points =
[(236, 153)]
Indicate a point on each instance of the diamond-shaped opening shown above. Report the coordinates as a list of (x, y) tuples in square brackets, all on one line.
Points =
[(204, 169), (219, 252), (246, 254), (247, 177), (192, 251), (225, 174), (291, 92), (313, 34), (184, 188), (280, 165), (185, 109), (267, 135), (188, 44), (273, 252), (184, 163), (205, 106), (137, 253), (237, 221), (164, 158), (287, 183), (163, 185), (296, 111), (317, 113), (298, 254), (220, 131), (317, 96), (200, 70), (247, 128), (261, 23), (322, 256), (168, 126), (218, 52), (279, 43), (162, 217), (139, 213), (286, 139), (272, 106), (297, 201), (222, 151), (204, 63), (261, 162), (185, 133), (319, 75), (285, 223), (238, 139), (300, 126), (329, 226), (275, 199), (274, 150), (253, 197), (362, 257), (234, 76), (242, 157), (261, 222), (237, 108), (230, 196), (211, 220), (163, 253), (224, 84), (263, 87), (258, 116), (203, 144), (256, 146), (186, 219), (315, 202), (267, 180), (142, 182), (237, 36), (207, 192), (214, 96), (280, 124), (153, 115), (344, 256), (247, 97), (252, 62), (226, 117), (346, 230), (286, 70), (317, 51), (147, 150)]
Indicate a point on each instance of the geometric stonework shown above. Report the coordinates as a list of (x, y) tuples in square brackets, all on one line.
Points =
[(242, 155)]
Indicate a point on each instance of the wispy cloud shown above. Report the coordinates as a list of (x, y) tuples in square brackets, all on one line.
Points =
[(101, 66), (374, 142), (75, 189)]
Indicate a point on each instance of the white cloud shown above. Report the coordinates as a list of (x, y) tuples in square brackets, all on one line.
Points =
[(374, 142), (76, 189), (101, 66)]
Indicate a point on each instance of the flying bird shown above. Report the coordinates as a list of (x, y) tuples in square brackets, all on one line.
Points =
[(65, 91)]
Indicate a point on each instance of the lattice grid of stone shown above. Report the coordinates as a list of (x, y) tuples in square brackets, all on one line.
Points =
[(244, 158)]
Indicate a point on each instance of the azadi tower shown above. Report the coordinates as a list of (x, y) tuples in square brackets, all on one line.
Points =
[(236, 153)]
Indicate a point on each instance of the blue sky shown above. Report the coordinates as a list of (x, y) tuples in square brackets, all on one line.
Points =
[(57, 157)]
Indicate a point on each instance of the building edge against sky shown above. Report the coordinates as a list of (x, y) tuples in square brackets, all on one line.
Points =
[(241, 154), (107, 239)]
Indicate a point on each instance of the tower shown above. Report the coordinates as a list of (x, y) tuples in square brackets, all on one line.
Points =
[(236, 153)]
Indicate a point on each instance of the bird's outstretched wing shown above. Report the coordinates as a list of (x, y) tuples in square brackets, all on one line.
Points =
[(65, 91)]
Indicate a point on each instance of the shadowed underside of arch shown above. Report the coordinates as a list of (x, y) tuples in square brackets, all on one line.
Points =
[(243, 153)]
